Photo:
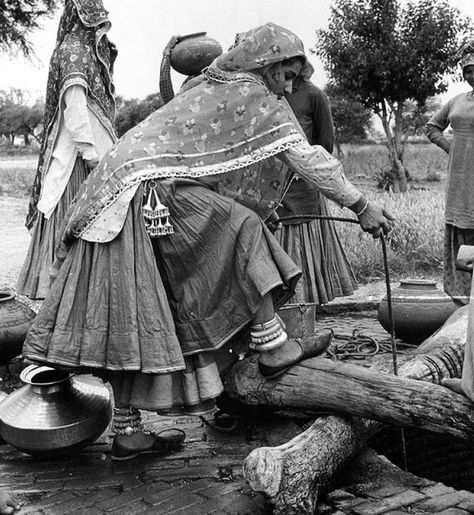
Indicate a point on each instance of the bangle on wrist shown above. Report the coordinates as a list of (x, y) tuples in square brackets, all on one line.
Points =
[(363, 210)]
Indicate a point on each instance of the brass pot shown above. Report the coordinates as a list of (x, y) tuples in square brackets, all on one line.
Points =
[(15, 320), (54, 412)]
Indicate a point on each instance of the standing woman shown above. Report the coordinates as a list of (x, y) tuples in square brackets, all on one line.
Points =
[(313, 244), (78, 131), (459, 214)]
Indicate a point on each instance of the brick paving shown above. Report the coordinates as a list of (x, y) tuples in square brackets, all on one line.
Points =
[(205, 476)]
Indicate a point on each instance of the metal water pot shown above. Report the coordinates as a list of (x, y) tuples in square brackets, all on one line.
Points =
[(54, 412)]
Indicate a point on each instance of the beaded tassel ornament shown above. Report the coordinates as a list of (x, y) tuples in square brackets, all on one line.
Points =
[(156, 214)]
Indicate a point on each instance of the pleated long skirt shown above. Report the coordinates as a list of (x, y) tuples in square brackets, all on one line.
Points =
[(34, 280), (315, 247), (160, 309)]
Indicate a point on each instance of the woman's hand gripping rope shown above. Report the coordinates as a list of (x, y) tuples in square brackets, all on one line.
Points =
[(374, 219)]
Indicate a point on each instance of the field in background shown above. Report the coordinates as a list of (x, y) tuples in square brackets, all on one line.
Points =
[(17, 174), (415, 244)]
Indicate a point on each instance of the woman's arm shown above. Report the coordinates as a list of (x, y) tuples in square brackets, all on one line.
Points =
[(315, 165), (166, 85), (77, 122), (435, 128)]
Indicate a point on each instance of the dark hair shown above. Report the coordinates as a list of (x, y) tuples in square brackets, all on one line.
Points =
[(292, 60)]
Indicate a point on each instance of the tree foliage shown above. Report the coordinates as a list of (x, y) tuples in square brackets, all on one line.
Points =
[(18, 18), (386, 54), (351, 119), (17, 118), (132, 111)]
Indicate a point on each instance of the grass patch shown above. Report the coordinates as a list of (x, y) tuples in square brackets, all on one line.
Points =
[(17, 179), (414, 245), (369, 162)]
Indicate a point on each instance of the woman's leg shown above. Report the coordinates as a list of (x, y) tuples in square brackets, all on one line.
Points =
[(130, 438), (272, 342)]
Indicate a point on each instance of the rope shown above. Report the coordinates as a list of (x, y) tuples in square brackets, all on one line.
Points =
[(360, 346), (393, 343)]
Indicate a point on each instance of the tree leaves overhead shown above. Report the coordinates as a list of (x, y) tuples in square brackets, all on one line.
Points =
[(132, 111), (387, 54), (382, 51), (18, 18)]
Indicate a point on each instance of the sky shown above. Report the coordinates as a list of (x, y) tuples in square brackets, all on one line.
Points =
[(141, 29)]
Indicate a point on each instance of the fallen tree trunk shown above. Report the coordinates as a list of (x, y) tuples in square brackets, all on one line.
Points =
[(320, 384), (292, 474)]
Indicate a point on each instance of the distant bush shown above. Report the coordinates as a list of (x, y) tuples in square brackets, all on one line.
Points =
[(414, 245), (8, 149), (371, 162), (17, 180), (433, 176)]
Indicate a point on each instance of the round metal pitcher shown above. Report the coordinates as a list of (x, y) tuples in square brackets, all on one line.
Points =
[(54, 412)]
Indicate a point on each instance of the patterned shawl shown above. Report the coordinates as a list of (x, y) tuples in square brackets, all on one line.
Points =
[(84, 56), (223, 125)]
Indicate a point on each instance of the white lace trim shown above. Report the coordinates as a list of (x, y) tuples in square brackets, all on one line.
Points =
[(152, 172)]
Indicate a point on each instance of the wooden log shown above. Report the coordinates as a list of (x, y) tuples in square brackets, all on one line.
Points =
[(292, 475), (287, 473), (326, 385)]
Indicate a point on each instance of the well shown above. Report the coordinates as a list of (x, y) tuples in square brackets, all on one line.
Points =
[(440, 458)]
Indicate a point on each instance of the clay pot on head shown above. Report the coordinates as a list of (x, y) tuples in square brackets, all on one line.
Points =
[(193, 53), (419, 309), (54, 413), (15, 320)]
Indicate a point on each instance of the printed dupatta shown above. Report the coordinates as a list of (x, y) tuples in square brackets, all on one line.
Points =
[(84, 56), (226, 123)]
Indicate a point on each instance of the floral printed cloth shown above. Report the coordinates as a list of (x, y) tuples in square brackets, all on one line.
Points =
[(226, 124), (84, 56)]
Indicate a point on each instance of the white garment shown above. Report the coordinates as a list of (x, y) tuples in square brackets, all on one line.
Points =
[(80, 133), (317, 166)]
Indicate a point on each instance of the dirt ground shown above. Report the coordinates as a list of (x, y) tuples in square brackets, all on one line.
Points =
[(14, 239)]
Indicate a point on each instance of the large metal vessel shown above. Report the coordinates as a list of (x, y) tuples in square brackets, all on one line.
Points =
[(54, 412)]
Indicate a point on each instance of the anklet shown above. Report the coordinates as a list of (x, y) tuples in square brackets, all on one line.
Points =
[(264, 325), (273, 344)]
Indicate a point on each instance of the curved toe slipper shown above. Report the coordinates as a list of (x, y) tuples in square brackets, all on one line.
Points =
[(164, 442), (311, 347)]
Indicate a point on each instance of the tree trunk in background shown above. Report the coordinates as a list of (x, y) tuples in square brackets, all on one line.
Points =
[(395, 151)]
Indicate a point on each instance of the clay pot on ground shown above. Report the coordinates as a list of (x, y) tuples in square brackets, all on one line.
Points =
[(15, 320), (193, 53), (419, 309), (54, 412)]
